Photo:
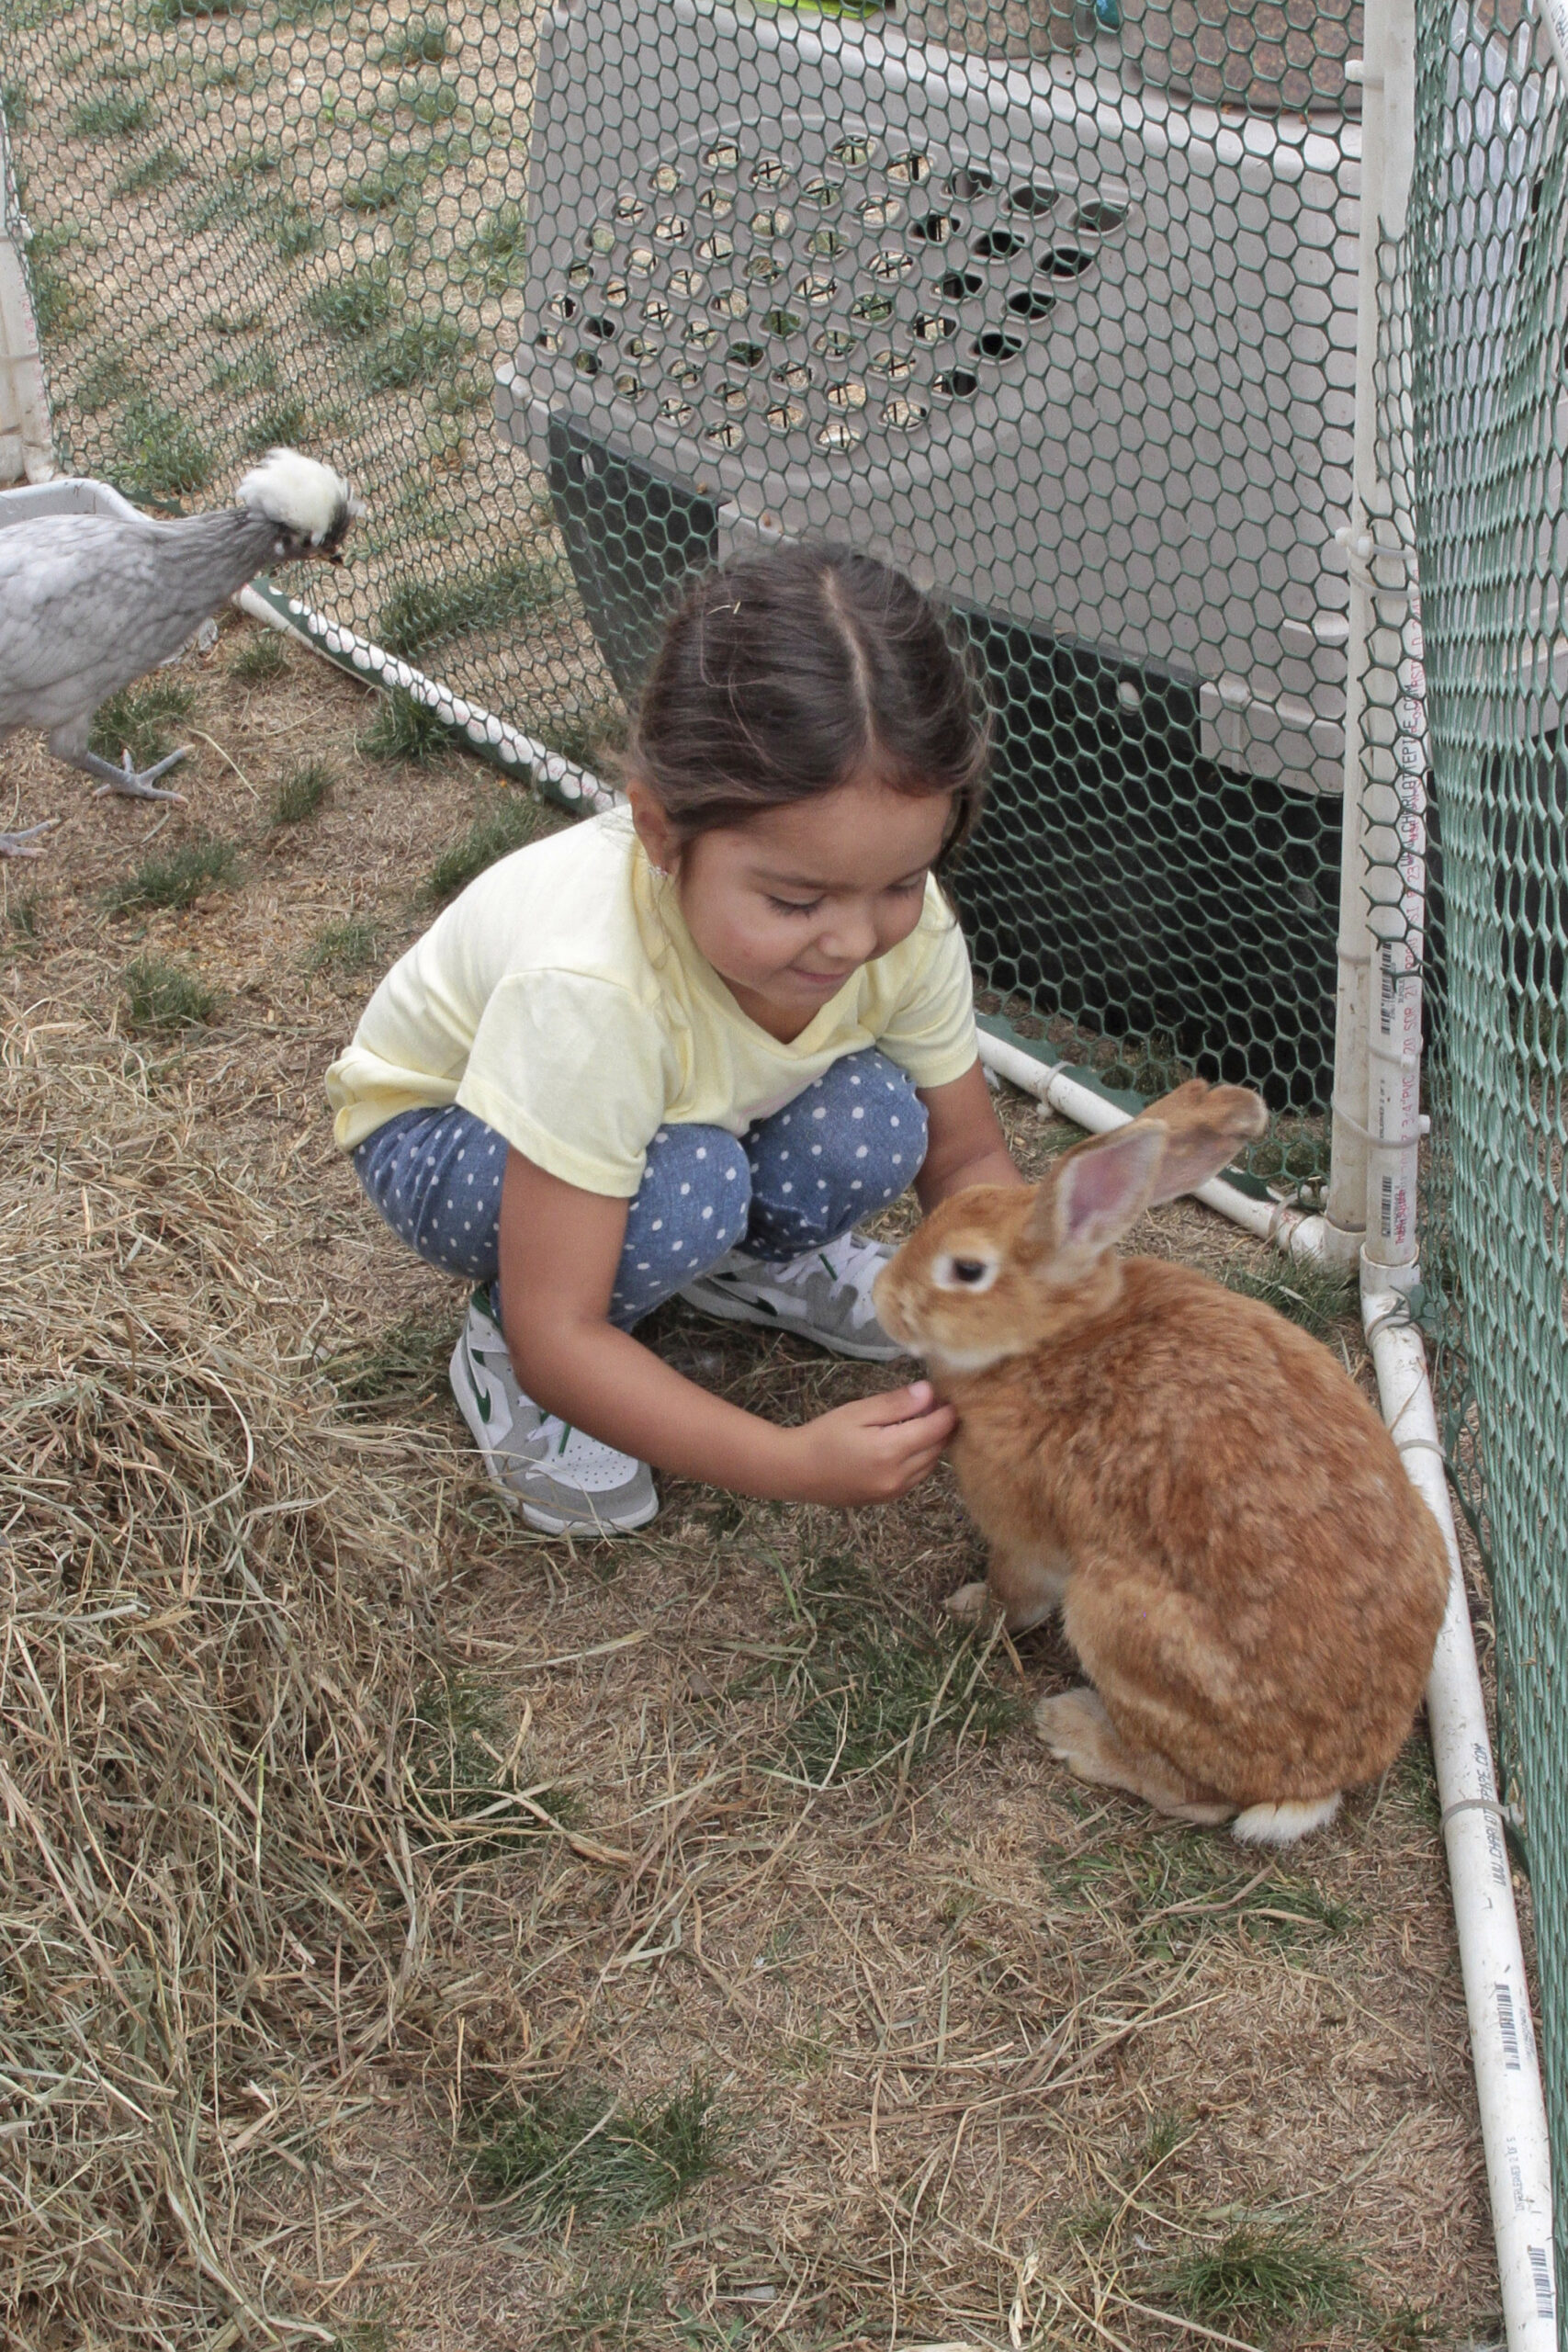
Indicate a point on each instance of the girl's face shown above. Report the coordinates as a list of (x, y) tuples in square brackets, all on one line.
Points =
[(788, 905)]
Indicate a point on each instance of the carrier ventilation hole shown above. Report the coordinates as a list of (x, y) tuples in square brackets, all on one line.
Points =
[(1099, 218), (876, 212), (933, 228), (773, 220), (968, 180), (769, 171), (838, 435), (600, 329), (997, 244), (821, 195), (961, 285), (901, 414), (724, 155), (787, 416), (933, 326), (782, 322), (1031, 302), (746, 355), (855, 152), (874, 310), (997, 344), (1034, 197), (956, 384), (909, 170), (834, 344), (1067, 261)]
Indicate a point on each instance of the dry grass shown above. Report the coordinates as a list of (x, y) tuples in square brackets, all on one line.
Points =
[(353, 1831)]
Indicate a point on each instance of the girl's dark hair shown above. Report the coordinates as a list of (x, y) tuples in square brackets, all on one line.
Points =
[(788, 671)]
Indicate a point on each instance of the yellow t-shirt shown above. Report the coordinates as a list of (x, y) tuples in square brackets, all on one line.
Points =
[(562, 999)]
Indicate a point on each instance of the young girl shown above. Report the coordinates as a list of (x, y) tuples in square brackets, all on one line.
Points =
[(679, 1051)]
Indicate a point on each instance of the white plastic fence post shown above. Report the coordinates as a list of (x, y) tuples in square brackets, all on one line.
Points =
[(27, 443), (1387, 76)]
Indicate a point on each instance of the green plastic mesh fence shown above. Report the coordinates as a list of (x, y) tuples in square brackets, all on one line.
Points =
[(1055, 309), (1488, 240)]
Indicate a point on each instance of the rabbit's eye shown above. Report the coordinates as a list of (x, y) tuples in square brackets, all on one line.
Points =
[(966, 1273)]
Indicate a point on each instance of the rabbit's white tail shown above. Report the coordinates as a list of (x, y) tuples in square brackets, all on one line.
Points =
[(1282, 1825)]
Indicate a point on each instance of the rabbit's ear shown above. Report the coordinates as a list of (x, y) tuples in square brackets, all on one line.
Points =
[(1204, 1128), (1098, 1188)]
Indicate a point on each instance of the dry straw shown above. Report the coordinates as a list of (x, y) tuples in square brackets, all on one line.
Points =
[(208, 1879)]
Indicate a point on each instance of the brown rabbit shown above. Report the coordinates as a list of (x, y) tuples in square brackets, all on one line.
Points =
[(1251, 1582)]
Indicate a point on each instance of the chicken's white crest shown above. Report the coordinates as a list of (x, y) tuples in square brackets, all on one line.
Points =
[(306, 497)]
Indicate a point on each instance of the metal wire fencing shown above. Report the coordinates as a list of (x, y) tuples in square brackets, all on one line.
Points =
[(1059, 316), (1489, 312)]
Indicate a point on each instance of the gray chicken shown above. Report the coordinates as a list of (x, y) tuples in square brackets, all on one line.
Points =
[(89, 601)]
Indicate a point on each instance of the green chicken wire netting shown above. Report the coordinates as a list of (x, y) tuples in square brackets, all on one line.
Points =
[(1489, 310), (1056, 307)]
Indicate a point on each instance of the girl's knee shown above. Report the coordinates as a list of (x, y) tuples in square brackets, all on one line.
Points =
[(692, 1203)]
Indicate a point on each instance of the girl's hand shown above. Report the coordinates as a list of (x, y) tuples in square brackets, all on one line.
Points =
[(870, 1452)]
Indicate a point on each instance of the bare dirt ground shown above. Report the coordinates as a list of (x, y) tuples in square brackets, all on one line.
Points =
[(933, 2045)]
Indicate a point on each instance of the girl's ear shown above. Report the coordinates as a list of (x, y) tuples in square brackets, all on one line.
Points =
[(652, 826), (1096, 1191)]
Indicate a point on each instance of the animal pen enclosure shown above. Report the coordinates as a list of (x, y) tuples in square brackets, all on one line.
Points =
[(1235, 492)]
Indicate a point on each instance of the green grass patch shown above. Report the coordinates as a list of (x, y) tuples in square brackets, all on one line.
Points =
[(465, 1784), (350, 946), (352, 307), (301, 792), (412, 355), (406, 1363), (116, 114), (110, 377), (875, 1695), (24, 915), (1261, 2274), (295, 232), (14, 103), (404, 728), (260, 659), (585, 736), (580, 2153), (165, 163), (180, 877), (162, 454), (254, 371), (491, 596), (1313, 1297), (422, 41), (138, 720), (1176, 1891), (281, 425), (59, 307), (161, 995), (498, 252), (509, 822)]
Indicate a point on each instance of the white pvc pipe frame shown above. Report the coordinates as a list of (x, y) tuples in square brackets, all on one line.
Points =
[(1507, 2064)]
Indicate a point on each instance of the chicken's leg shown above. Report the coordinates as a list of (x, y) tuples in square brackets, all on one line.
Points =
[(15, 844), (70, 744)]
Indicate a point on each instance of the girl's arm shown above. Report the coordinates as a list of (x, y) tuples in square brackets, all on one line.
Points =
[(965, 1144), (559, 1250)]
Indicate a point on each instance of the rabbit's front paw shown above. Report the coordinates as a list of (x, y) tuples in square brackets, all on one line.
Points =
[(971, 1602)]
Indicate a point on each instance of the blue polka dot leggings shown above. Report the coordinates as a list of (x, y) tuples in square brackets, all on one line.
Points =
[(842, 1150)]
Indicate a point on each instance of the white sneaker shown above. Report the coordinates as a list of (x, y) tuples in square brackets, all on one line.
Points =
[(824, 1295), (557, 1476)]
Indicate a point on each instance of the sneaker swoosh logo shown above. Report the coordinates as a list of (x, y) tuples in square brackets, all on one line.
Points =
[(481, 1394)]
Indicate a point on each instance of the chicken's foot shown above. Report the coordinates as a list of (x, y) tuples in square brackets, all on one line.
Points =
[(136, 784), (15, 844)]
